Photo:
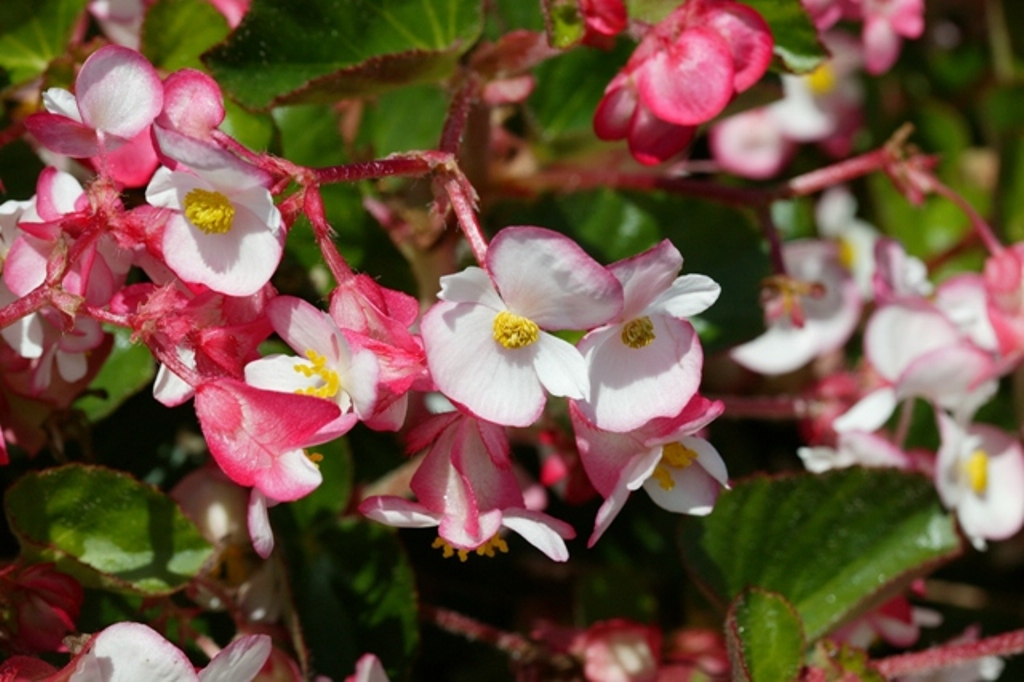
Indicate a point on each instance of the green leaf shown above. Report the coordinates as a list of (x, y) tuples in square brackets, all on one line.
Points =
[(389, 128), (331, 497), (832, 545), (765, 637), (796, 39), (321, 51), (355, 593), (106, 529), (128, 369), (32, 34), (176, 32)]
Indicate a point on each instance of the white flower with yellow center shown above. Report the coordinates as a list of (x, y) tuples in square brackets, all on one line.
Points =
[(979, 472), (226, 232)]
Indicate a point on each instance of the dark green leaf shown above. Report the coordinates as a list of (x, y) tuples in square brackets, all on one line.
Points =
[(106, 529), (765, 637), (176, 32), (321, 51), (832, 545), (355, 593), (34, 33), (331, 497), (128, 369)]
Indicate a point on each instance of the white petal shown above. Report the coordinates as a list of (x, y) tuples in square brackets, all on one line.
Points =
[(869, 413), (240, 661), (258, 521), (560, 368), (540, 530)]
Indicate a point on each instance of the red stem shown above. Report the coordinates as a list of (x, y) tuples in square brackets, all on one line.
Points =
[(458, 113), (1006, 644), (36, 300), (397, 165), (463, 199), (314, 209)]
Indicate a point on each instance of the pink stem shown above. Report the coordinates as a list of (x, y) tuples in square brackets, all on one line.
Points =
[(1006, 644), (36, 300), (461, 194), (473, 630), (314, 208), (458, 112), (397, 165)]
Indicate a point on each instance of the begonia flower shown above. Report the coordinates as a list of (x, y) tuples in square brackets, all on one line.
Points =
[(646, 362), (830, 309), (979, 472), (680, 472), (487, 342), (38, 607), (886, 23), (683, 73), (329, 367), (466, 488), (854, 449), (225, 232), (257, 437)]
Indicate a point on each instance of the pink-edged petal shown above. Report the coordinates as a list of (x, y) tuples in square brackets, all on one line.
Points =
[(899, 333), (548, 278), (645, 276), (471, 368), (25, 266), (217, 166), (691, 81), (688, 295), (472, 285), (998, 512), (258, 522), (290, 476), (239, 661), (749, 39), (193, 104), (560, 368), (368, 669), (119, 91), (463, 533), (631, 386), (71, 366), (58, 193), (751, 144), (614, 112), (398, 512), (131, 164), (949, 376), (169, 389), (603, 453), (881, 45), (869, 413), (303, 326), (128, 652), (631, 478), (653, 141), (63, 135), (542, 531)]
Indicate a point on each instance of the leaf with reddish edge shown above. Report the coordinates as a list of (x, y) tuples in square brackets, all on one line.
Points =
[(765, 637), (320, 51), (105, 529), (834, 545)]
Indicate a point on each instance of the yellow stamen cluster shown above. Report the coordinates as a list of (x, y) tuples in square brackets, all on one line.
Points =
[(314, 457), (211, 212), (976, 468), (331, 385), (638, 333), (514, 331), (486, 549), (847, 254), (822, 80), (674, 456)]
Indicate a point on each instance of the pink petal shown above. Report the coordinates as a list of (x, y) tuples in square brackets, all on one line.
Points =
[(899, 333), (603, 453), (749, 39), (193, 104), (653, 141), (131, 164), (63, 135), (751, 144), (615, 110), (398, 512), (631, 478), (548, 278), (690, 82), (238, 661), (645, 276), (128, 652), (368, 669), (119, 91)]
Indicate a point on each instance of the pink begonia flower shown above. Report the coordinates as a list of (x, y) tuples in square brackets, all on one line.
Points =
[(854, 449), (603, 20), (329, 367), (378, 320), (979, 472), (225, 232), (1004, 283), (193, 109), (660, 457), (830, 312), (368, 669), (619, 650), (964, 299), (466, 488), (38, 607), (257, 437), (898, 275), (918, 352), (485, 340), (117, 96), (128, 652), (683, 73), (836, 217), (886, 23), (647, 361), (896, 622)]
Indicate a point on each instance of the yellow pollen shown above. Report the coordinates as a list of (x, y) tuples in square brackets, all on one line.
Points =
[(976, 468), (674, 456), (822, 80), (847, 254), (331, 385), (314, 457), (638, 333), (486, 549), (211, 212), (514, 331)]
